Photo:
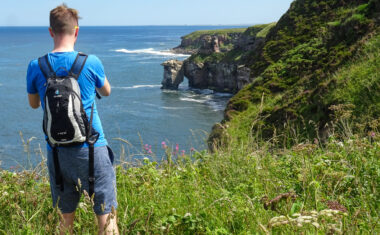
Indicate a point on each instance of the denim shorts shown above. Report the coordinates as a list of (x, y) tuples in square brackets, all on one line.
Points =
[(74, 166)]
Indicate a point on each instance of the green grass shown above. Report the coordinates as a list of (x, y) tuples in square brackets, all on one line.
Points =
[(222, 192), (199, 33)]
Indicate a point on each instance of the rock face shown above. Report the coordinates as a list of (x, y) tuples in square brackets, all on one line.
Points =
[(173, 74), (207, 43), (220, 77)]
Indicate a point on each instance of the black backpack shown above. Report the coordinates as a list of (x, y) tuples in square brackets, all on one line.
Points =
[(65, 122)]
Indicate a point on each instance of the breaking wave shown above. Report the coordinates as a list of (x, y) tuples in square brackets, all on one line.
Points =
[(151, 51), (136, 86)]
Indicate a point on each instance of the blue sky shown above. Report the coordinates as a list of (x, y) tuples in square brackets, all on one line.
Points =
[(147, 12)]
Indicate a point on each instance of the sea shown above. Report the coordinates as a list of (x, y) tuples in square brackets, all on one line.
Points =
[(137, 117)]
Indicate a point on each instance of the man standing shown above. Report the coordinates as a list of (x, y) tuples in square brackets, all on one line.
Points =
[(72, 163)]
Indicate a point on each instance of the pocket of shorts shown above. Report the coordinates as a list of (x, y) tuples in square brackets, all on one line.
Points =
[(110, 154)]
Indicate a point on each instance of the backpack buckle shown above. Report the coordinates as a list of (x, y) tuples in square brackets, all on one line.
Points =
[(91, 179)]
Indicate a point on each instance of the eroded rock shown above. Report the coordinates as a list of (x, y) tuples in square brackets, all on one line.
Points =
[(173, 74)]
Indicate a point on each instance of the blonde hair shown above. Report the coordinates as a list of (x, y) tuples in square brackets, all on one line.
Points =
[(63, 20)]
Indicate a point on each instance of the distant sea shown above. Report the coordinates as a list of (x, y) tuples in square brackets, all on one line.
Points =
[(137, 110)]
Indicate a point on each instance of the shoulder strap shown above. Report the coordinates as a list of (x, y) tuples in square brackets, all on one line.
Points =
[(45, 66), (78, 65)]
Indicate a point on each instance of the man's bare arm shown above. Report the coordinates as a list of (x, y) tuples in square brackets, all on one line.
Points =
[(34, 100), (105, 90)]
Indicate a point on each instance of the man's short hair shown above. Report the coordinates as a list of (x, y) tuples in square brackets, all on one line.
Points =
[(63, 20)]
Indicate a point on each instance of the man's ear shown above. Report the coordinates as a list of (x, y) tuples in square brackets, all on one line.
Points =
[(51, 32), (76, 31)]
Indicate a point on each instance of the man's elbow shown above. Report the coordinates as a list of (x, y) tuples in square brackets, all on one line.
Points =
[(34, 106)]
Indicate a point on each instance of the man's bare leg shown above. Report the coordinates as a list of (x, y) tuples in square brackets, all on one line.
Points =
[(67, 223), (111, 224)]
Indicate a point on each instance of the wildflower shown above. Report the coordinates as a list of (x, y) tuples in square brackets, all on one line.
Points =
[(82, 205), (5, 194), (340, 144), (176, 147), (192, 149), (22, 192), (163, 144), (187, 214), (316, 141), (150, 151), (372, 134), (183, 152)]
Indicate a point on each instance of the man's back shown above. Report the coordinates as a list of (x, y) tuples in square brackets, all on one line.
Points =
[(92, 76)]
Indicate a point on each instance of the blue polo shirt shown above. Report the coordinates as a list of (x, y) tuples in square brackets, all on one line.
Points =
[(92, 76)]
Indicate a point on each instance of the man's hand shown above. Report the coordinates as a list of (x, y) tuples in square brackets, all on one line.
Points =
[(34, 100), (105, 90)]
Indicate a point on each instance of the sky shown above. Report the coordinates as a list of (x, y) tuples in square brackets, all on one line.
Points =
[(147, 12)]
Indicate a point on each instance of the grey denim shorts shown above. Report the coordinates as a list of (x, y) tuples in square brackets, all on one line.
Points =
[(74, 166)]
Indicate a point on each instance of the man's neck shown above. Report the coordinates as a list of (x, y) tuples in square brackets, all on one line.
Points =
[(64, 44)]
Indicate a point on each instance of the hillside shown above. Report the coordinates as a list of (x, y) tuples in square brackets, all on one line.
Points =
[(319, 64)]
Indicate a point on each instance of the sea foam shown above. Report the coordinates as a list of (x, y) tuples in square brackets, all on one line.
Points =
[(136, 86), (150, 51)]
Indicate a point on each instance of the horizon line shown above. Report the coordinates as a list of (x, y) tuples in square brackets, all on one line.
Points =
[(243, 24)]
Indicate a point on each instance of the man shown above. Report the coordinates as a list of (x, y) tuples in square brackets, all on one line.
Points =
[(73, 161)]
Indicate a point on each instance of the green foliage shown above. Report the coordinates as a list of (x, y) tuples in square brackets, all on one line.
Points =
[(223, 193), (312, 41), (199, 33), (265, 30)]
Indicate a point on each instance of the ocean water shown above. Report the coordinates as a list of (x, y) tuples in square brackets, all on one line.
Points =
[(137, 110)]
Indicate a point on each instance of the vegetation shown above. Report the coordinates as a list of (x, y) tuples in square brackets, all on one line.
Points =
[(199, 33), (297, 153), (308, 63), (253, 187)]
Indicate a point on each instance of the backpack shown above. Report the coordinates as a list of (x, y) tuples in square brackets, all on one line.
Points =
[(65, 122)]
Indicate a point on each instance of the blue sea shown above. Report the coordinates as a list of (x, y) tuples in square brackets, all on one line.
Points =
[(137, 111)]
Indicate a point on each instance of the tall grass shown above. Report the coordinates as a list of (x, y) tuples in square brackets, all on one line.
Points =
[(247, 187)]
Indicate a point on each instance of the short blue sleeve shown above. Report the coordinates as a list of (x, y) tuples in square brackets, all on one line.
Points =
[(31, 77), (96, 68)]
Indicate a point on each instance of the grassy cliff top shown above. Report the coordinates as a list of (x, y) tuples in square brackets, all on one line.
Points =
[(305, 73), (199, 33)]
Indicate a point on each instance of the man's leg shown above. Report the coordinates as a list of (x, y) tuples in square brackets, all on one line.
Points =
[(107, 224), (67, 223)]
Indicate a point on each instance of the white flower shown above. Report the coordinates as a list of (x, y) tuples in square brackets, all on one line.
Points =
[(82, 205), (315, 224), (187, 214), (5, 194), (22, 192), (340, 144)]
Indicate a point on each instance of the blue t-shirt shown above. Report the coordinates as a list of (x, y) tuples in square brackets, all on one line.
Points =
[(92, 76)]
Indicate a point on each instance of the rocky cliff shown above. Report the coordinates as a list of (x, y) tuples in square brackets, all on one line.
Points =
[(208, 41), (218, 70), (214, 63), (317, 68)]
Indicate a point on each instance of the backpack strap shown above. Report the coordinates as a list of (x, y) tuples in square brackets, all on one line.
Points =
[(45, 66), (78, 65)]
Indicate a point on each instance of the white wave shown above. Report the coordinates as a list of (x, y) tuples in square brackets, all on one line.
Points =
[(150, 51), (193, 100), (136, 86), (173, 108)]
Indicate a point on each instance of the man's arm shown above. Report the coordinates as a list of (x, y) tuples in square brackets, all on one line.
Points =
[(105, 90), (34, 100)]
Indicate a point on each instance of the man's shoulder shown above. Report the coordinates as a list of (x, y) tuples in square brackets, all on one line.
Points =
[(33, 64), (93, 60)]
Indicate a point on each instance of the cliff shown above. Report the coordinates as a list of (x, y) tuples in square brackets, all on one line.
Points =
[(208, 41), (305, 76), (223, 71)]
